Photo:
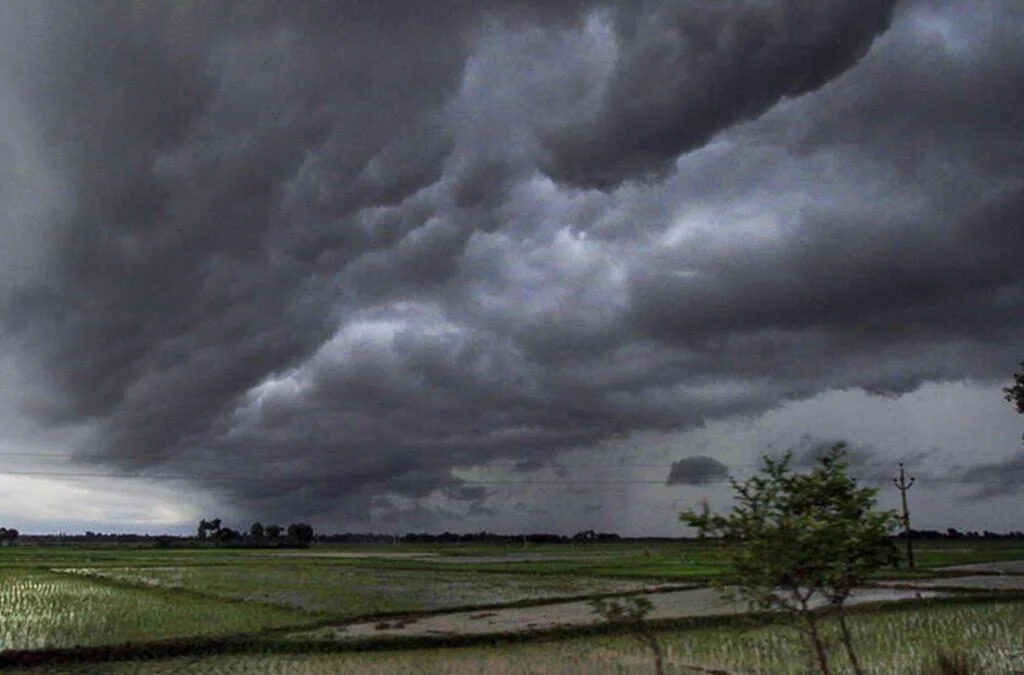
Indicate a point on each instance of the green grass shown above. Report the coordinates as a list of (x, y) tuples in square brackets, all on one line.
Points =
[(900, 640), (887, 640), (143, 595), (45, 610), (344, 591), (657, 560)]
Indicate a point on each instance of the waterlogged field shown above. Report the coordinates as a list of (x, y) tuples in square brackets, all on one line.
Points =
[(40, 609), (345, 591), (63, 597), (892, 641)]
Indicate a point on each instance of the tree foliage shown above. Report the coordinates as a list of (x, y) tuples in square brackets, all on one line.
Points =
[(301, 533), (214, 532), (1015, 393), (795, 542)]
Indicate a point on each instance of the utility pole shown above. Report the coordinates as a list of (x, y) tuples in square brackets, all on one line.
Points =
[(902, 485)]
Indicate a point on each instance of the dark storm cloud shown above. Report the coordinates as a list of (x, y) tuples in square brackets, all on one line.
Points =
[(699, 470), (868, 464), (995, 479), (688, 70), (317, 257)]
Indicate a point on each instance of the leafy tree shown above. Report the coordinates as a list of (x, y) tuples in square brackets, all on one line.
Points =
[(796, 541), (301, 533), (211, 529), (256, 531), (225, 534), (1015, 393), (273, 531), (633, 611)]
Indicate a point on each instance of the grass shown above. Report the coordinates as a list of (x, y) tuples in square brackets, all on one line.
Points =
[(672, 561), (344, 591), (114, 596), (41, 610), (887, 641), (904, 640)]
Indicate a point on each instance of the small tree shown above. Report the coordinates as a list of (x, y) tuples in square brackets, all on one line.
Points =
[(799, 540), (633, 611), (225, 535), (273, 532), (1015, 393), (300, 533), (256, 531)]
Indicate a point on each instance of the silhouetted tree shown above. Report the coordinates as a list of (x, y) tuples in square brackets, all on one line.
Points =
[(256, 531), (1015, 392), (273, 531), (225, 534), (301, 533)]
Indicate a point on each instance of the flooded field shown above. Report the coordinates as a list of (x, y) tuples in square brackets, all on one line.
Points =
[(982, 582), (134, 601), (694, 602), (343, 591)]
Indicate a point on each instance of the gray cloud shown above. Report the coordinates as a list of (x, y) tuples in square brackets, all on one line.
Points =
[(316, 258), (688, 70), (698, 470), (866, 463), (996, 478)]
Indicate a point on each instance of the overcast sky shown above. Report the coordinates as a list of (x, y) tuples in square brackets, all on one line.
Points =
[(544, 265)]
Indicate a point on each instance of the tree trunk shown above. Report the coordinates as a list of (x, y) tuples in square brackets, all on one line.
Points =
[(659, 659), (848, 640), (819, 645)]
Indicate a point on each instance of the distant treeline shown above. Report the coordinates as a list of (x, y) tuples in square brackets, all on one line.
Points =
[(479, 537), (301, 536)]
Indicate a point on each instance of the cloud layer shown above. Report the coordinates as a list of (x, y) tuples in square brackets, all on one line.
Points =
[(315, 259)]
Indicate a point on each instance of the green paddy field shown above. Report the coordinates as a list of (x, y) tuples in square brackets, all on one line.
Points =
[(131, 610)]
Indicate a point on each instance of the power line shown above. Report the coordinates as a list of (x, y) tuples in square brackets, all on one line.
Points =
[(433, 461), (453, 482)]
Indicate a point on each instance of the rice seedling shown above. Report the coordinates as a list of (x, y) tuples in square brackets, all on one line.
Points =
[(891, 641), (344, 591), (39, 609)]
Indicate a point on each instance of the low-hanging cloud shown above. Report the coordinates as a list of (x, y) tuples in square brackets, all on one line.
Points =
[(995, 479), (311, 258), (697, 470)]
